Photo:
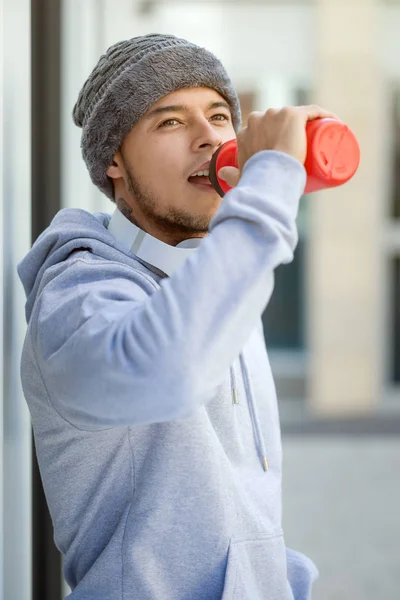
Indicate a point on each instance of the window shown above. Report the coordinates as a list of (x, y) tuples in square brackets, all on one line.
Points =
[(284, 317)]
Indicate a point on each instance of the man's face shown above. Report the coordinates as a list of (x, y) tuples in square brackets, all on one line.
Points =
[(173, 140)]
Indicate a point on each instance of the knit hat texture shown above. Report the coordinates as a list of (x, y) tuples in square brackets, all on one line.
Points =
[(128, 79)]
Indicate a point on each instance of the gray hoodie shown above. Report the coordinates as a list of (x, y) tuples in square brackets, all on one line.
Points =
[(153, 406)]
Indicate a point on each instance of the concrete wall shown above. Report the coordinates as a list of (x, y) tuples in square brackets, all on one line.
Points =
[(344, 258)]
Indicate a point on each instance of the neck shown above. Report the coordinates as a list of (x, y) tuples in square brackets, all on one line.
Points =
[(127, 211), (161, 233)]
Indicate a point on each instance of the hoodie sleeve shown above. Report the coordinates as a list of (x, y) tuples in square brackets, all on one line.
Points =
[(112, 354)]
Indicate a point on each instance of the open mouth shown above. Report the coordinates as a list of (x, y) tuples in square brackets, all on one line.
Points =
[(201, 180), (197, 180)]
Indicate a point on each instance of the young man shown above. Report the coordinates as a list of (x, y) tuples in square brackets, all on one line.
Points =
[(144, 366)]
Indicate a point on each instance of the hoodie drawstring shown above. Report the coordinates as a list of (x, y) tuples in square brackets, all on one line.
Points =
[(252, 408), (235, 398)]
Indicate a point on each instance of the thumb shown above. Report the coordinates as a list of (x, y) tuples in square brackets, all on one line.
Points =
[(229, 174)]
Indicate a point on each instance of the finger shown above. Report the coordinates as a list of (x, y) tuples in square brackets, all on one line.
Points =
[(314, 111), (230, 175)]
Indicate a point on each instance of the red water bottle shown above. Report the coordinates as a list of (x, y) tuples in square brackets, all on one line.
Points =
[(333, 156)]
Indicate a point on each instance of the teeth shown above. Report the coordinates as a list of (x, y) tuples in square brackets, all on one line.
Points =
[(206, 172)]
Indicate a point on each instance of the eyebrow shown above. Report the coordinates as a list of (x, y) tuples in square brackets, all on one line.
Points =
[(182, 108)]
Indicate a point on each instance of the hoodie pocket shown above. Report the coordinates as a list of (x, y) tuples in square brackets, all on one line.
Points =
[(256, 570)]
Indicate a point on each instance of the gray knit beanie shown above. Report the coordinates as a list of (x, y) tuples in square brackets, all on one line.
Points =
[(128, 79)]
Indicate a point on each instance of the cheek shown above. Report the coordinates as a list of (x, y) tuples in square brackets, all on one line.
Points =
[(160, 177), (152, 167), (165, 167), (229, 133)]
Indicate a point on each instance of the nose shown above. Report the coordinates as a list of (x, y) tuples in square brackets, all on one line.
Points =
[(206, 136)]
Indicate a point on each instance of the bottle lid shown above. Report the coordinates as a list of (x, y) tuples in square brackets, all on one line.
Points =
[(334, 151)]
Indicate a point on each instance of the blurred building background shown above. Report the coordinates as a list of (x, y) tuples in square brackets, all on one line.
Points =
[(333, 324)]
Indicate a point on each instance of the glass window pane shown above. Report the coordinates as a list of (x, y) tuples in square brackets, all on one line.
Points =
[(283, 319)]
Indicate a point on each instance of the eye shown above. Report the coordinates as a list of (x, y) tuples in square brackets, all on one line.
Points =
[(168, 122), (224, 117), (172, 122)]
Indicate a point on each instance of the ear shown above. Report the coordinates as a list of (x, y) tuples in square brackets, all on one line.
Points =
[(114, 170)]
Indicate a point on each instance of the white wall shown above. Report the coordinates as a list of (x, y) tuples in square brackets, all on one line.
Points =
[(83, 42), (253, 41), (15, 222), (389, 43)]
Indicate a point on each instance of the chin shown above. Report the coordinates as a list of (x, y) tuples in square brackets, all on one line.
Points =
[(208, 199), (202, 205)]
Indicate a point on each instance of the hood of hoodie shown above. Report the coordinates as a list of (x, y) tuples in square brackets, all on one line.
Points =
[(70, 230)]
